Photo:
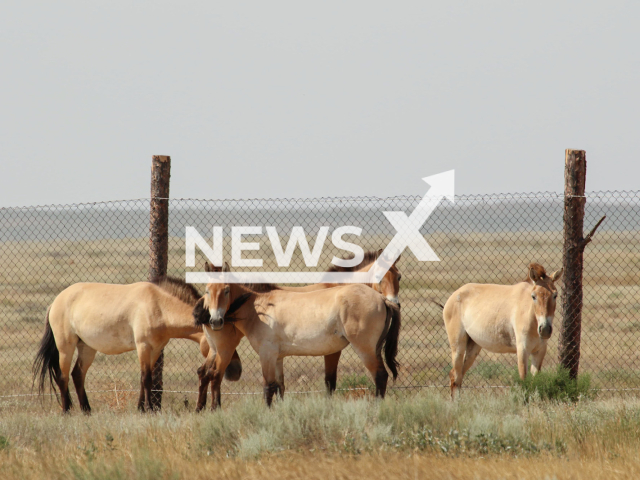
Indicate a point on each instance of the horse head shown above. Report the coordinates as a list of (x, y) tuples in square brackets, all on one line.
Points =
[(543, 294), (213, 306)]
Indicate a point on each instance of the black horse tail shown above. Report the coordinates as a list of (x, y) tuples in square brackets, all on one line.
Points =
[(47, 359), (391, 337), (233, 371)]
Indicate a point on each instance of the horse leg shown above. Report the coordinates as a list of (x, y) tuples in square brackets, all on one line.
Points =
[(65, 350), (269, 360), (141, 396), (155, 400), (537, 358), (144, 356), (222, 359), (373, 362), (458, 349), (231, 373), (471, 353), (523, 360), (280, 376), (86, 355), (368, 346), (331, 371), (217, 373), (204, 376)]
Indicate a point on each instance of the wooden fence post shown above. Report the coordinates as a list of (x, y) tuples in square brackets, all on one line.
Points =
[(575, 174), (159, 247)]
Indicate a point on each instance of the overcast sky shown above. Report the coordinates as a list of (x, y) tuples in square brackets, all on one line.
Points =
[(305, 99)]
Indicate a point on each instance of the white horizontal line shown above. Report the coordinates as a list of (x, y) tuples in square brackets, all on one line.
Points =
[(279, 277)]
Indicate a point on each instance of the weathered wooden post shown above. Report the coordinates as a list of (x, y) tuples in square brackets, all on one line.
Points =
[(575, 173), (159, 247)]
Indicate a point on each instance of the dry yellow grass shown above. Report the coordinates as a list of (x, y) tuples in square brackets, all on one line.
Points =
[(33, 273), (411, 436), (321, 467)]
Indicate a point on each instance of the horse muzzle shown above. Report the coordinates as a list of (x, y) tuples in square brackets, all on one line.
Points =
[(216, 323), (545, 331)]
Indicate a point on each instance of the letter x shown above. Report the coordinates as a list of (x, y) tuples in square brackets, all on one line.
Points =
[(408, 228)]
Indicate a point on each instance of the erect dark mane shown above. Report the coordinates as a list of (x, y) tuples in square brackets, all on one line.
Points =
[(369, 257), (241, 299), (179, 288), (538, 269), (261, 287)]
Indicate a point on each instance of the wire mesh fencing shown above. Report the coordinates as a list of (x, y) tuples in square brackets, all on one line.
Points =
[(479, 239)]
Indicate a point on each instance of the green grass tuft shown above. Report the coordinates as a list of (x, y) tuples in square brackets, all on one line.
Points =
[(356, 381), (555, 385)]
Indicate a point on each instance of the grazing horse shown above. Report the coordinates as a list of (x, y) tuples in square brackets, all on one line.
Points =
[(502, 319), (389, 287), (282, 323), (113, 319)]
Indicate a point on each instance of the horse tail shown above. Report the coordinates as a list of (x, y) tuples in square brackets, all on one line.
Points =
[(433, 300), (233, 371), (47, 359), (390, 337)]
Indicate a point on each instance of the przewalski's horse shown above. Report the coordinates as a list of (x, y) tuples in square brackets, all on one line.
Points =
[(188, 293), (389, 287), (113, 319), (282, 323), (501, 319)]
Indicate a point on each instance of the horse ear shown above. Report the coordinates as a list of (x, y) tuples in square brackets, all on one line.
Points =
[(208, 267), (556, 275), (226, 267), (397, 259), (533, 274), (200, 314), (379, 252)]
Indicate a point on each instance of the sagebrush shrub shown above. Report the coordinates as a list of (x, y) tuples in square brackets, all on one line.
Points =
[(555, 385)]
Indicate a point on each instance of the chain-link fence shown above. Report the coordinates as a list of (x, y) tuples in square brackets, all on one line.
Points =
[(482, 239)]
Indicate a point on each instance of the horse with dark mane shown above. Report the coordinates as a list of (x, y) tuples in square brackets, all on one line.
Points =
[(501, 319), (282, 323), (389, 287), (113, 319)]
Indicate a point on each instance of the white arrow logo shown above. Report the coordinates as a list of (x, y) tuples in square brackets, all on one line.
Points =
[(407, 235), (408, 228)]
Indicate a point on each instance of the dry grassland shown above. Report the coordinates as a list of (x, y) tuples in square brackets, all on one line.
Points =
[(33, 273), (420, 435)]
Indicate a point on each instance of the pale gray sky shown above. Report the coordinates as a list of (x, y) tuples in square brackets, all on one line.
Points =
[(302, 99)]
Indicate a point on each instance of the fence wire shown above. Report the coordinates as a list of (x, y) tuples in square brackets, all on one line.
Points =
[(479, 239)]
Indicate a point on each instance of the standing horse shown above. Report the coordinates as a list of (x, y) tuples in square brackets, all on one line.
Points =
[(502, 319), (113, 319), (389, 287), (282, 323)]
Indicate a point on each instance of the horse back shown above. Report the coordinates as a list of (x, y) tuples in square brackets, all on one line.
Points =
[(105, 297), (317, 308), (107, 317)]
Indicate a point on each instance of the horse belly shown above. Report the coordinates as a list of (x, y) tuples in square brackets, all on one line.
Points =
[(110, 340), (314, 340), (495, 338), (316, 347)]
